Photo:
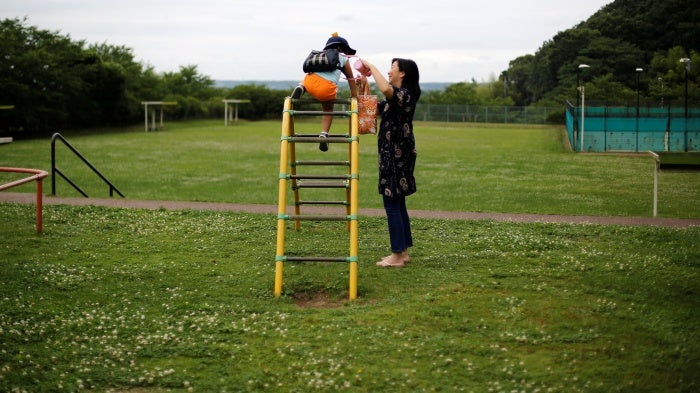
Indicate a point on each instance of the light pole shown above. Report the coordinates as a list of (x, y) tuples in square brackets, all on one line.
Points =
[(638, 70), (667, 133), (582, 88), (687, 68)]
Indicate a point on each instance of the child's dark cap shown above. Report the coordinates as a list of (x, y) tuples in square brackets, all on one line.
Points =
[(338, 40)]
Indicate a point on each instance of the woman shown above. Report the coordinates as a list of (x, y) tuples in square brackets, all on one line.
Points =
[(397, 152)]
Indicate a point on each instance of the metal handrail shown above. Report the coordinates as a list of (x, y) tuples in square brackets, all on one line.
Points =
[(55, 171), (39, 176)]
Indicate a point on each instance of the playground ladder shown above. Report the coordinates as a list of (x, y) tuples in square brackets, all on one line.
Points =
[(288, 176)]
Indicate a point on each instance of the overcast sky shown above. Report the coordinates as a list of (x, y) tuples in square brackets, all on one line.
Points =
[(451, 40)]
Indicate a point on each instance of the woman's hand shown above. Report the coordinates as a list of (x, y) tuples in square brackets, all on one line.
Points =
[(361, 82), (382, 83)]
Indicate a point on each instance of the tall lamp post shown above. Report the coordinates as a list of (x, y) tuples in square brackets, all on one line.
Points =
[(687, 68), (582, 89), (638, 70)]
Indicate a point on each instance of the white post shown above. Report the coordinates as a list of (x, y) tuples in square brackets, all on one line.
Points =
[(145, 115), (583, 113), (657, 164), (656, 185), (153, 120), (583, 105), (225, 113)]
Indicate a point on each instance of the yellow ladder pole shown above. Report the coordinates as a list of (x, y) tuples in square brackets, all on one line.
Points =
[(354, 197), (282, 197), (348, 190), (293, 171)]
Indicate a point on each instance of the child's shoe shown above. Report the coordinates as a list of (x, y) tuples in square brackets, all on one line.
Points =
[(298, 92), (323, 146)]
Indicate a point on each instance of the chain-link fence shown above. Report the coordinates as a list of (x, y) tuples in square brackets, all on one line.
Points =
[(602, 129), (490, 114)]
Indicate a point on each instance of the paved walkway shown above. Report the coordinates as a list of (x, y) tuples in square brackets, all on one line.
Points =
[(30, 198)]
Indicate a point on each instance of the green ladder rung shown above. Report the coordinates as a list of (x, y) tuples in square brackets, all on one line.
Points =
[(295, 112), (322, 217), (300, 203), (321, 177), (321, 184), (318, 139), (324, 163), (316, 135), (316, 259)]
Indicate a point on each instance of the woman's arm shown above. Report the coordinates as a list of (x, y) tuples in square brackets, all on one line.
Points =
[(382, 83)]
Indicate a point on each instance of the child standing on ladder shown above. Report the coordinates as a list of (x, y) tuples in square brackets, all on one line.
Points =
[(323, 86)]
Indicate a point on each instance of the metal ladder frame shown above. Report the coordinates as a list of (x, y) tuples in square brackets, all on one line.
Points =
[(288, 174)]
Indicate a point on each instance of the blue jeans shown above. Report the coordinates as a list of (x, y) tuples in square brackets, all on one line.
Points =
[(399, 223)]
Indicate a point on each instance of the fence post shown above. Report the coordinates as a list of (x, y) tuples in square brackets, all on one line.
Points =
[(39, 205)]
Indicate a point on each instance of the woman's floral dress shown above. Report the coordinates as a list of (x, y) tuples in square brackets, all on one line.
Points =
[(396, 145)]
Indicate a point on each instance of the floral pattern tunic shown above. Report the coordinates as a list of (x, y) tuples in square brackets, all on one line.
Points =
[(396, 145)]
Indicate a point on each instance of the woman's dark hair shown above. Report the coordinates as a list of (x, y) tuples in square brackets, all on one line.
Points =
[(411, 76)]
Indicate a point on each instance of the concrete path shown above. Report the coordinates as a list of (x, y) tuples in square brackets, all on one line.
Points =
[(30, 198)]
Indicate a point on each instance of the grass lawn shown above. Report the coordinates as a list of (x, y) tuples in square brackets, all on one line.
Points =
[(461, 167), (114, 299), (120, 300)]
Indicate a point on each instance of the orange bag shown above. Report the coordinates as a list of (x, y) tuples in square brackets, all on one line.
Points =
[(366, 110)]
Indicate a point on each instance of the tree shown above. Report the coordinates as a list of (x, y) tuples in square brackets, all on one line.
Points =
[(190, 89), (265, 103), (621, 37), (39, 75), (56, 83), (605, 90), (188, 82), (650, 24), (517, 80), (136, 81), (667, 77)]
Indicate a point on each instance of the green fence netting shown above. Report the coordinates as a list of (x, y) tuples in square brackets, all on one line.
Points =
[(487, 114), (601, 129)]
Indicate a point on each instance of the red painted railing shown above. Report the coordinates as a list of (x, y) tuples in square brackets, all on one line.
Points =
[(39, 176)]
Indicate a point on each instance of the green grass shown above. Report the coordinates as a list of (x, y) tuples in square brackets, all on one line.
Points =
[(116, 300), (461, 167), (113, 299)]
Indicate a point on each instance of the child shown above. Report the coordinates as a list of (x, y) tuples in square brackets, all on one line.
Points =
[(323, 86)]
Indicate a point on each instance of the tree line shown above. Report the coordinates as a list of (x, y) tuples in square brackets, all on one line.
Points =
[(52, 82), (614, 43), (56, 83)]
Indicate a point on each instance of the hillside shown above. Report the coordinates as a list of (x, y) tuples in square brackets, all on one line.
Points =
[(614, 42)]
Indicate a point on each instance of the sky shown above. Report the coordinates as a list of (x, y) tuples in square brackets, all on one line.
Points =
[(450, 40)]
